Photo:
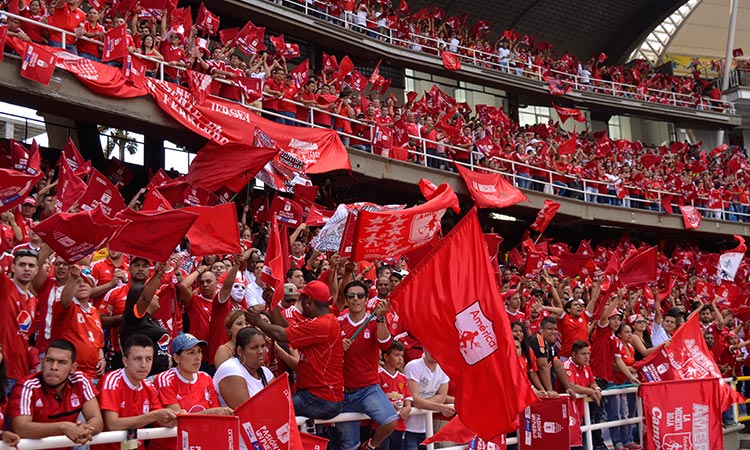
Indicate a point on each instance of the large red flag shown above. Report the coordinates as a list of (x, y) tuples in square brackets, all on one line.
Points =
[(318, 216), (38, 64), (730, 260), (231, 165), (75, 236), (639, 267), (345, 67), (287, 211), (252, 88), (451, 61), (427, 188), (15, 185), (267, 418), (101, 192), (75, 159), (330, 64), (181, 193), (691, 217), (207, 21), (215, 232), (568, 113), (273, 269), (570, 264), (686, 358), (153, 235), (474, 346), (199, 84), (568, 147), (490, 190), (387, 234), (545, 215), (115, 43), (682, 414), (69, 186)]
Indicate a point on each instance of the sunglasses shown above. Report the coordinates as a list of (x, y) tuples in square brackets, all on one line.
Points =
[(359, 295), (26, 252)]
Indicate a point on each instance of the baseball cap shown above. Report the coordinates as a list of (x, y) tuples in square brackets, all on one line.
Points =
[(570, 303), (186, 341), (675, 312), (290, 291), (30, 200), (134, 258), (318, 291), (614, 313)]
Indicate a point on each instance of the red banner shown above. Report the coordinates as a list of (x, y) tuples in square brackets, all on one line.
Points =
[(38, 63), (475, 345), (318, 216), (232, 165), (682, 415), (267, 419), (181, 193), (101, 192), (273, 269), (115, 43), (198, 431), (545, 425), (639, 267), (15, 185), (389, 234), (691, 217), (451, 61), (490, 190), (70, 187), (215, 232), (75, 236), (152, 234), (545, 215), (287, 211), (207, 21), (568, 113)]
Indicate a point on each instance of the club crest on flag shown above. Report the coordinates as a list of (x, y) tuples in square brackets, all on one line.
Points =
[(477, 339), (424, 226)]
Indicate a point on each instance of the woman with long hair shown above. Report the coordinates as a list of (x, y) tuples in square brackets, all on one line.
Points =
[(622, 436), (234, 323)]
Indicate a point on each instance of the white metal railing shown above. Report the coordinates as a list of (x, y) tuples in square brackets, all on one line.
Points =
[(587, 427), (513, 65), (420, 156)]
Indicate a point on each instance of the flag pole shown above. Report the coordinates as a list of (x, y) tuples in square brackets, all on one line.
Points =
[(362, 327)]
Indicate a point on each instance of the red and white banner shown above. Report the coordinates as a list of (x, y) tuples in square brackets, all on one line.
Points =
[(682, 415), (390, 234), (38, 63), (101, 192), (451, 61), (153, 235), (207, 21), (267, 418), (490, 190), (215, 232), (15, 185), (545, 425), (75, 236), (287, 211), (730, 261), (545, 215), (252, 88), (318, 216), (691, 217), (69, 186), (198, 431), (331, 235), (115, 43)]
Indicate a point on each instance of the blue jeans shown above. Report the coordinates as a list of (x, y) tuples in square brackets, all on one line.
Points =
[(523, 180), (393, 442), (561, 188), (89, 56), (290, 115), (69, 47), (412, 440), (313, 407), (369, 400), (616, 408)]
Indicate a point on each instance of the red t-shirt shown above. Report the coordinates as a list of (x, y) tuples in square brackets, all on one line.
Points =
[(48, 294), (84, 46), (627, 353), (361, 359), (199, 312), (217, 332), (572, 329), (83, 328), (103, 272), (16, 325), (32, 398), (171, 54), (113, 304), (580, 375), (395, 324), (320, 368), (7, 237), (67, 20), (396, 388), (293, 316), (604, 347), (268, 102), (118, 394)]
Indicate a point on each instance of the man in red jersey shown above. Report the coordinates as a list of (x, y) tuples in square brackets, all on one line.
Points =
[(320, 382), (109, 273), (48, 290), (581, 381), (198, 304), (49, 403), (362, 391), (68, 16), (128, 400), (231, 297), (18, 306)]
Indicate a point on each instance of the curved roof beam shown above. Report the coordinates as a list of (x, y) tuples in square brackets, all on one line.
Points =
[(655, 45)]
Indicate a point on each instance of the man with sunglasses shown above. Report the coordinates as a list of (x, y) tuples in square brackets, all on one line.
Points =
[(18, 306), (363, 340)]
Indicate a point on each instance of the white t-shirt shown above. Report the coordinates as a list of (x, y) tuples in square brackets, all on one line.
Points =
[(233, 368), (658, 335), (453, 45), (429, 383), (503, 53)]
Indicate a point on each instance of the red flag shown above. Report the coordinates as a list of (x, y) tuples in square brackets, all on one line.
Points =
[(70, 186), (552, 414), (359, 81), (4, 34), (200, 85), (567, 113), (198, 431), (557, 87), (287, 51), (386, 234), (250, 38), (313, 442), (267, 418), (286, 211), (345, 67), (252, 88), (301, 73), (737, 52), (694, 411), (38, 64), (75, 236), (691, 217), (273, 270), (101, 192), (427, 188), (330, 64), (215, 232), (232, 165), (545, 215), (74, 158), (227, 35), (475, 347), (382, 138), (490, 190), (152, 234), (115, 43), (403, 8), (568, 147), (155, 201), (15, 186), (134, 69), (451, 61), (639, 267), (207, 21), (570, 264), (181, 193), (453, 431), (318, 216)]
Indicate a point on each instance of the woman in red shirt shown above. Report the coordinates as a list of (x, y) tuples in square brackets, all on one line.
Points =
[(623, 436)]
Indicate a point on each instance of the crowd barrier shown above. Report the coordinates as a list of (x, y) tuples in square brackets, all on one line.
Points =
[(579, 188)]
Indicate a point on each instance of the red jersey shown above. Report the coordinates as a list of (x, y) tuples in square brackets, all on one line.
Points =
[(395, 325), (113, 304), (16, 325), (269, 102), (199, 312), (396, 388), (604, 347), (627, 353), (7, 236), (217, 332), (66, 19), (293, 316), (361, 359), (320, 368), (192, 396), (580, 375), (84, 46), (118, 394), (171, 54), (572, 329), (517, 316), (32, 398), (103, 272), (48, 294), (83, 328)]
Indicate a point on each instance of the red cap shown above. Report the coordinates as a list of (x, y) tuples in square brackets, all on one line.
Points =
[(29, 200), (318, 291)]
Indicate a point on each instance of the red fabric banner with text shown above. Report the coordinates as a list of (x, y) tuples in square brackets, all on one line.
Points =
[(267, 419), (101, 192), (198, 431), (545, 215), (545, 425), (490, 190)]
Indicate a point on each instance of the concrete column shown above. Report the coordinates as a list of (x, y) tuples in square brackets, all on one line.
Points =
[(153, 158)]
